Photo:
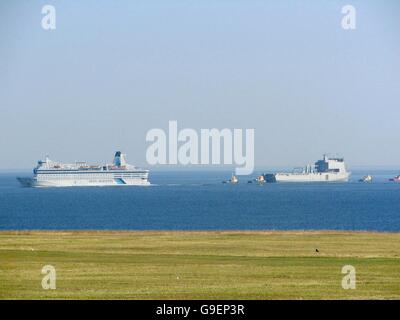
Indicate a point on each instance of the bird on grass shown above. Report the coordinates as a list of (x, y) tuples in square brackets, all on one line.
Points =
[(316, 250)]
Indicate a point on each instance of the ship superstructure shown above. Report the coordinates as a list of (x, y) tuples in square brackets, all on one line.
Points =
[(329, 169), (49, 173)]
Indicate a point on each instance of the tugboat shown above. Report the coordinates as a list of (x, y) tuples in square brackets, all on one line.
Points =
[(232, 180), (395, 179), (367, 178), (260, 179)]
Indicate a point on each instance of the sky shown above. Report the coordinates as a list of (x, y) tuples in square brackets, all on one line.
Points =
[(113, 70)]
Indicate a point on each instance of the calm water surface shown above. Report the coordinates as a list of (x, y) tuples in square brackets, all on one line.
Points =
[(199, 201)]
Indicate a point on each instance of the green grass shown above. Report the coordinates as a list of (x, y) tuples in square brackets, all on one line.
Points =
[(199, 265)]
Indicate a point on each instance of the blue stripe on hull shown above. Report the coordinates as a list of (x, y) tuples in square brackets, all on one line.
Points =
[(119, 181)]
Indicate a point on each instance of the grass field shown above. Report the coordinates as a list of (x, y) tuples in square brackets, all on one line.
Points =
[(199, 265)]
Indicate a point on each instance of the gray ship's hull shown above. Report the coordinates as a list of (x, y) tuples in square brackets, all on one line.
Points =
[(308, 177)]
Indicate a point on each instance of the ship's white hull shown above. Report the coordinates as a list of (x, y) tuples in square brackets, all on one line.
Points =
[(49, 173), (33, 182), (309, 177)]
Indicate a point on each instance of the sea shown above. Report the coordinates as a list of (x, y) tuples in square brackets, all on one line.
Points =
[(198, 200)]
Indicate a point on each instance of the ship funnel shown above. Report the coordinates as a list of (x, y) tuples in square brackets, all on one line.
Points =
[(119, 159)]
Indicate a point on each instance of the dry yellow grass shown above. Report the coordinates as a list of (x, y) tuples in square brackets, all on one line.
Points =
[(199, 265)]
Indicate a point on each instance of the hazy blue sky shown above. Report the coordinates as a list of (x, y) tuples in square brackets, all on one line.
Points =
[(113, 70)]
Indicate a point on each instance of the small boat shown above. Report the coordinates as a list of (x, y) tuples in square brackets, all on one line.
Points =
[(260, 179), (395, 179), (367, 178), (234, 179)]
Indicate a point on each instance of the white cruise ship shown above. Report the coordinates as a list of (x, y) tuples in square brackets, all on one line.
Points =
[(325, 170), (55, 174)]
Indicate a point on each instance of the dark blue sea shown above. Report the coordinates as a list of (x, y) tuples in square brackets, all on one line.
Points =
[(197, 200)]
